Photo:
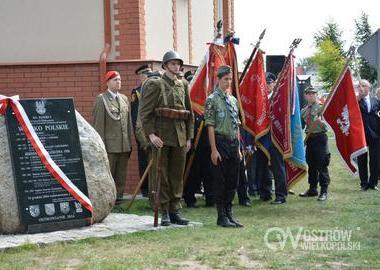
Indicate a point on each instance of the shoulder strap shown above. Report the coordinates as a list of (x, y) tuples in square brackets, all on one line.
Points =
[(163, 92)]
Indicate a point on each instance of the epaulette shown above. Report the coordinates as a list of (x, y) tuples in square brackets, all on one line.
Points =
[(151, 79)]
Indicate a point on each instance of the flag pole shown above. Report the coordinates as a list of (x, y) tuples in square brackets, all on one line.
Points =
[(257, 45), (292, 47)]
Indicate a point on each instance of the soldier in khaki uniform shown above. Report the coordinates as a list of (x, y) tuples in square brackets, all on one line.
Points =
[(112, 120), (167, 119), (222, 121), (317, 151)]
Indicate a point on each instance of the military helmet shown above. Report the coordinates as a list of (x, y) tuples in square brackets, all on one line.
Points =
[(171, 55)]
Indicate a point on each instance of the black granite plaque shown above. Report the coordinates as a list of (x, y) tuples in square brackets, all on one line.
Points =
[(44, 205)]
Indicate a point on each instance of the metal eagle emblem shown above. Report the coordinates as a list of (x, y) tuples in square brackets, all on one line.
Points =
[(40, 107)]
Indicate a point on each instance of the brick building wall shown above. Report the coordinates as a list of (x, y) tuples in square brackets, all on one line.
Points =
[(125, 29), (77, 80), (129, 16)]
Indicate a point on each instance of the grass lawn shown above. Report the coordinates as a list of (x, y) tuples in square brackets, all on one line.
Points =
[(212, 247)]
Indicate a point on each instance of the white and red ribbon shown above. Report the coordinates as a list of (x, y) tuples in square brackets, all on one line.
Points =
[(50, 165)]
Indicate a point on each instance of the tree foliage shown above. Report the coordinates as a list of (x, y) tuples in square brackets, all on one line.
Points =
[(330, 32), (306, 63), (362, 33), (329, 61)]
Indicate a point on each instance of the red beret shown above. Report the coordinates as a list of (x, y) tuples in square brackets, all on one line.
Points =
[(111, 74)]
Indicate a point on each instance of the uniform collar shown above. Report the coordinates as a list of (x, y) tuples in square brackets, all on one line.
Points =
[(221, 93), (169, 80), (113, 95)]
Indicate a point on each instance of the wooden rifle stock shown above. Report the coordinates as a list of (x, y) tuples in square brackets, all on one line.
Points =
[(157, 189)]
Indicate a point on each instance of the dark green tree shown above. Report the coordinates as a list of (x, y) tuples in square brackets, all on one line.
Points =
[(362, 33), (331, 32)]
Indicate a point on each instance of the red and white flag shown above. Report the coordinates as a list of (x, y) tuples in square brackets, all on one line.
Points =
[(343, 115), (205, 78)]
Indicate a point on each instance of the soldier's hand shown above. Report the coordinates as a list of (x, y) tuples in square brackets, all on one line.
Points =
[(188, 145), (156, 141), (215, 157)]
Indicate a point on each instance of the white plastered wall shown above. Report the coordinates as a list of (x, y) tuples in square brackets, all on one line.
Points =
[(159, 28), (202, 27), (51, 30)]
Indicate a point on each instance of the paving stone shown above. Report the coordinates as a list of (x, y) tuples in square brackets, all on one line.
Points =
[(114, 224)]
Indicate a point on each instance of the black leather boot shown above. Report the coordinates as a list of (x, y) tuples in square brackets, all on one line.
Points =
[(165, 220), (222, 218), (175, 218), (311, 192), (231, 217)]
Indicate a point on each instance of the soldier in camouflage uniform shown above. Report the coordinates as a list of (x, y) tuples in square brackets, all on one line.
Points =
[(317, 151), (222, 121), (167, 119)]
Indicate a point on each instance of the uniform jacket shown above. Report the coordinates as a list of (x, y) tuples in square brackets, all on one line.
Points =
[(313, 111), (371, 121), (116, 134), (172, 132), (135, 105)]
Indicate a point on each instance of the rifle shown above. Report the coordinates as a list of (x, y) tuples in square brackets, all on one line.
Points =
[(140, 183)]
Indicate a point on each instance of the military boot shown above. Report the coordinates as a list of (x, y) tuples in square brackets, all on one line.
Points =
[(222, 217), (175, 218), (231, 217), (165, 220)]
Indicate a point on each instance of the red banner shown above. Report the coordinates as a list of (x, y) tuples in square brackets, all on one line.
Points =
[(280, 111), (294, 172), (205, 78), (231, 60), (254, 98), (343, 115)]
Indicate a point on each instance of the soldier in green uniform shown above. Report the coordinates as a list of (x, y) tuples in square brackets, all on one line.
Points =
[(167, 119), (112, 120), (317, 151), (222, 121)]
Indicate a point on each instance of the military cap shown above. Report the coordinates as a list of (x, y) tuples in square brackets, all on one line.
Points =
[(270, 77), (310, 89), (154, 74), (111, 74), (144, 69), (188, 75), (223, 71)]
